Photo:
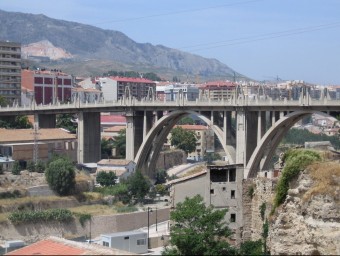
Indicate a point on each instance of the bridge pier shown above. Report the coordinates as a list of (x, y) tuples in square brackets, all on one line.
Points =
[(45, 121), (89, 149)]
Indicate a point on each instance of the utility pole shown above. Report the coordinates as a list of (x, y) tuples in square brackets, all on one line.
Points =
[(36, 141)]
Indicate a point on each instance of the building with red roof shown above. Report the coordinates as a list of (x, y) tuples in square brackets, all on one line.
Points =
[(218, 90), (61, 246)]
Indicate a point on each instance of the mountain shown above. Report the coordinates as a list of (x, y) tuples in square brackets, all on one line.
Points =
[(92, 50)]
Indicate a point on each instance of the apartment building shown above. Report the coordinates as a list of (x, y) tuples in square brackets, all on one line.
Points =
[(172, 92), (10, 72), (48, 86), (218, 90), (115, 87)]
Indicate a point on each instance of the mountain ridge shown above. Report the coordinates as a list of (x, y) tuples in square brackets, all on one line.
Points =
[(112, 47)]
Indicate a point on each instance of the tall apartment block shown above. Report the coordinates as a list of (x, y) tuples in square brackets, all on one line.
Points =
[(10, 71)]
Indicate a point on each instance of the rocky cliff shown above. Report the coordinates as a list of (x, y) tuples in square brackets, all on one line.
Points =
[(308, 222)]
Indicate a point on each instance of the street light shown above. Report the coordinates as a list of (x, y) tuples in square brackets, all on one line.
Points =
[(149, 210)]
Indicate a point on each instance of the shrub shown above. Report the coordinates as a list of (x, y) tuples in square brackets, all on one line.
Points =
[(30, 166), (106, 178), (40, 166), (263, 210), (83, 217), (60, 215), (16, 168), (295, 161)]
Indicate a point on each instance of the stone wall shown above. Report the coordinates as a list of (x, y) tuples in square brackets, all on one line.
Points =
[(170, 158), (99, 225), (263, 192)]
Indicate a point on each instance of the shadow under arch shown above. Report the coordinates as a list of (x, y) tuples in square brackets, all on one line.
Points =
[(149, 151), (263, 153)]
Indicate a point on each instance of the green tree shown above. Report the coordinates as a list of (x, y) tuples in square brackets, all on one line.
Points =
[(16, 168), (183, 139), (22, 122), (198, 230), (106, 148), (160, 177), (138, 186), (119, 143), (60, 176), (40, 166), (186, 120), (65, 121), (3, 101), (106, 178)]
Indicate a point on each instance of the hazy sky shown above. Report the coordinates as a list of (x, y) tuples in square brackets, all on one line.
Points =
[(262, 39)]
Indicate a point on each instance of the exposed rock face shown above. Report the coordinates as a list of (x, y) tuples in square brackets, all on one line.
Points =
[(45, 49), (307, 226)]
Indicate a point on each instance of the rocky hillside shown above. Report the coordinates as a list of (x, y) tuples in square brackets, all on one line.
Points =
[(308, 222), (105, 47)]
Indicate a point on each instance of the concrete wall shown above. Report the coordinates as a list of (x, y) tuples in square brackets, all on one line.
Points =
[(99, 225)]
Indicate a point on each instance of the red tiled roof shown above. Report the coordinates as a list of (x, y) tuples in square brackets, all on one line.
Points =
[(112, 119), (47, 247), (131, 79), (192, 127), (116, 128)]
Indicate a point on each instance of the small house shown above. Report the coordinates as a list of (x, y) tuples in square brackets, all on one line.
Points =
[(131, 241)]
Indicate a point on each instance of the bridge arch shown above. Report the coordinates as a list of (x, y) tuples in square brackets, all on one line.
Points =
[(263, 153), (149, 151)]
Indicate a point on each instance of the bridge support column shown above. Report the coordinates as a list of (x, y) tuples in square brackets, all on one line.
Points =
[(89, 150), (134, 133), (240, 137), (45, 121), (251, 133), (261, 125), (147, 122), (227, 132)]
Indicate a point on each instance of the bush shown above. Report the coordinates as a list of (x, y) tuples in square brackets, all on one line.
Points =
[(106, 178), (16, 168), (83, 217), (60, 215), (10, 194)]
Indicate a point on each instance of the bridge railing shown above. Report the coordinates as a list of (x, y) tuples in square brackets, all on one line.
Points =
[(131, 102)]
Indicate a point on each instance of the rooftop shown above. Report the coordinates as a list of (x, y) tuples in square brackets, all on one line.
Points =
[(61, 246), (27, 135), (121, 162)]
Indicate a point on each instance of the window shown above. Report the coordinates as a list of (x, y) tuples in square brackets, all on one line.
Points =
[(105, 244), (232, 175), (223, 188), (126, 238), (212, 191), (233, 217), (232, 194), (141, 241)]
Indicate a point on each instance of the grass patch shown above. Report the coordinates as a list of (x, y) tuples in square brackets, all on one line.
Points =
[(34, 199), (196, 169), (94, 209), (326, 177)]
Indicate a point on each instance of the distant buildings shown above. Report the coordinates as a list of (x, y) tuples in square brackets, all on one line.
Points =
[(10, 72), (47, 86), (218, 90)]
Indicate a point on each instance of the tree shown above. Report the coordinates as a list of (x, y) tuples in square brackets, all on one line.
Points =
[(160, 177), (65, 121), (198, 230), (106, 178), (252, 248), (60, 176), (186, 120), (3, 101), (183, 139), (119, 143), (106, 148), (138, 186)]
